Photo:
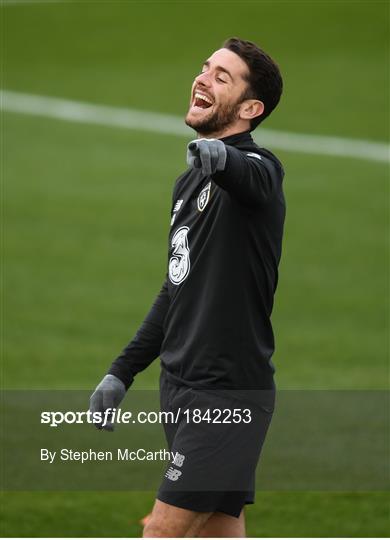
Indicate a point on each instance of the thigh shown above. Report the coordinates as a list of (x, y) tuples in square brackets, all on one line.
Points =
[(171, 521), (220, 525)]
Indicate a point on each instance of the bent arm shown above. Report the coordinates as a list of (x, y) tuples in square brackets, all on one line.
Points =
[(146, 344)]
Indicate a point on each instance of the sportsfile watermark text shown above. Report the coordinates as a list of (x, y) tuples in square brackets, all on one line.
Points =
[(117, 416)]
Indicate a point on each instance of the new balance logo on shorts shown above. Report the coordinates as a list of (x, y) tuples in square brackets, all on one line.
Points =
[(178, 460), (173, 474)]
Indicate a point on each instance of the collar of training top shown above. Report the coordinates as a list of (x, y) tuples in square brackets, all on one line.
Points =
[(243, 137), (245, 142)]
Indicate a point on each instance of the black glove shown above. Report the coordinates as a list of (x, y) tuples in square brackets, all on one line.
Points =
[(108, 394), (206, 154)]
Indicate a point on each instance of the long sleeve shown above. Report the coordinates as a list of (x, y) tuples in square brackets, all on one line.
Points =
[(251, 177), (146, 344)]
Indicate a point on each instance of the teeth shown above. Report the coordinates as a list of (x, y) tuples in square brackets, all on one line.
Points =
[(202, 96)]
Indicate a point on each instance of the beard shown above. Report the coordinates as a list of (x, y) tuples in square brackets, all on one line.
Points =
[(216, 121)]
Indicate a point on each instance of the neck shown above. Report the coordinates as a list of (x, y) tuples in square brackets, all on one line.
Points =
[(227, 132)]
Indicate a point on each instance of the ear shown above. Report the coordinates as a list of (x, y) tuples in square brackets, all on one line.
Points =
[(251, 108)]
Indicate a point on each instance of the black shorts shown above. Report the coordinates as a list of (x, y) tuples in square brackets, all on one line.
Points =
[(216, 444)]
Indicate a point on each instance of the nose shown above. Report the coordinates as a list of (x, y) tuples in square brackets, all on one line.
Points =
[(203, 79)]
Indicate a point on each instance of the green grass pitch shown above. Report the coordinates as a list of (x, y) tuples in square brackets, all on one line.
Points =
[(86, 214)]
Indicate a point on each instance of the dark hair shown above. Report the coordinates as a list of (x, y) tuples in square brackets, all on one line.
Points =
[(264, 79)]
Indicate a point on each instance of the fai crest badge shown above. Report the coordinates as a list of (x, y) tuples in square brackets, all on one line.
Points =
[(203, 197)]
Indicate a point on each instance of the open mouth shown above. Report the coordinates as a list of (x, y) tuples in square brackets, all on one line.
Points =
[(202, 101)]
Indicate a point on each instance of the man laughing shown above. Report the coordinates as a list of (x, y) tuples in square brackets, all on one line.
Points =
[(210, 324)]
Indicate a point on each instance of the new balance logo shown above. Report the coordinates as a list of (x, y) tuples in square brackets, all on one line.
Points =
[(178, 460), (178, 204), (173, 474)]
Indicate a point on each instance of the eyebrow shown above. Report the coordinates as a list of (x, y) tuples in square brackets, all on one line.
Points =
[(219, 68)]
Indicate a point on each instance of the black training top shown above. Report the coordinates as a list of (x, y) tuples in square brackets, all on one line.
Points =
[(210, 323)]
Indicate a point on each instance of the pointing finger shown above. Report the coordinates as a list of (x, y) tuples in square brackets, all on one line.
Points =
[(205, 157)]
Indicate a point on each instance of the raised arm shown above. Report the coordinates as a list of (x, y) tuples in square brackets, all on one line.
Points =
[(249, 176)]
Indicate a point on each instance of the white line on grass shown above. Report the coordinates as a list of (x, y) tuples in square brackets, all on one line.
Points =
[(26, 2), (74, 111)]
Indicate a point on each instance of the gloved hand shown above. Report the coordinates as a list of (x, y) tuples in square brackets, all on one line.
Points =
[(108, 394), (206, 154)]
